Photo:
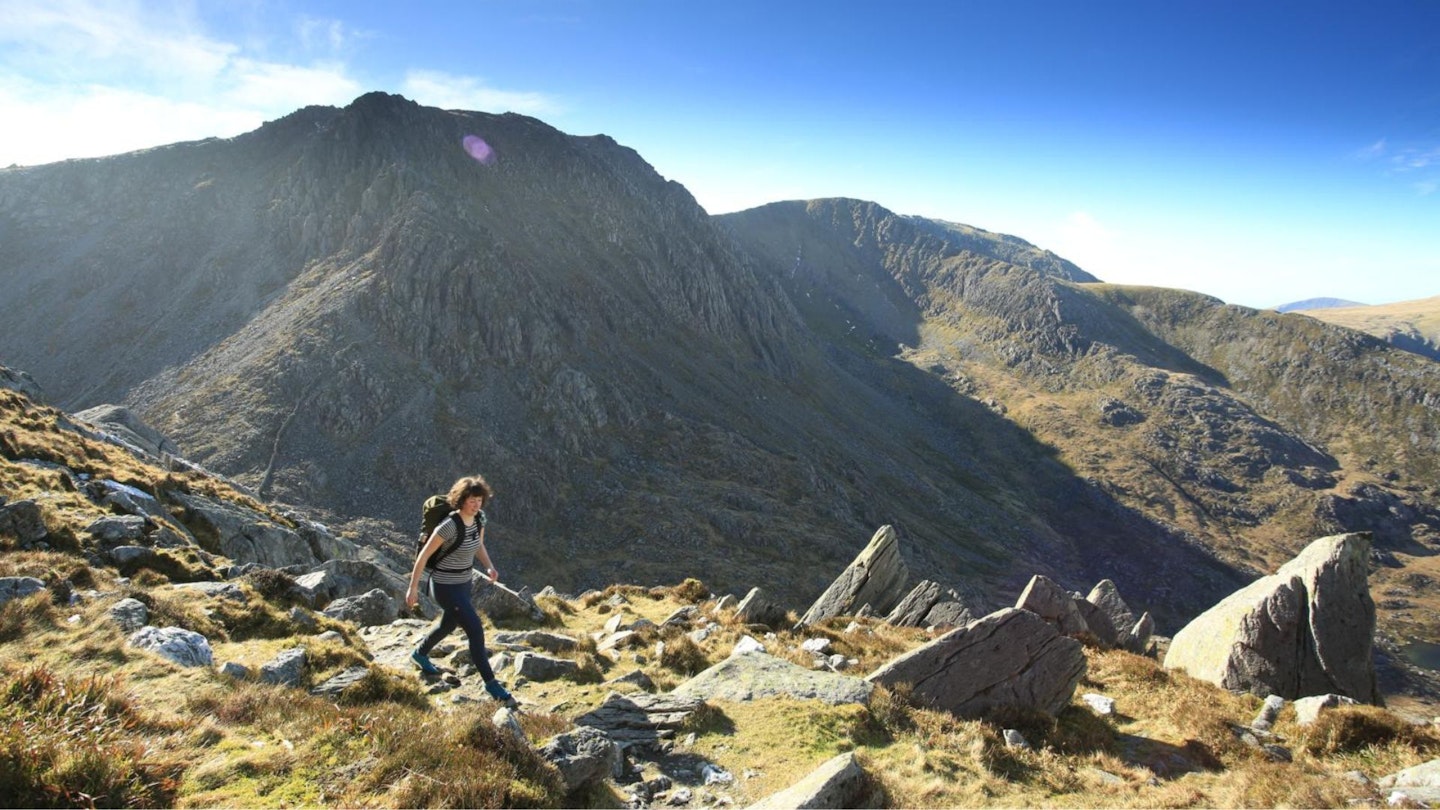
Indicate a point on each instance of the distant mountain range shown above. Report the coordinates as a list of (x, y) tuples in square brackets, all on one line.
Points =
[(1410, 325), (342, 310), (1316, 303)]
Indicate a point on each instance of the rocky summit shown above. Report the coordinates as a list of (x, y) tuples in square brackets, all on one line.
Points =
[(342, 311)]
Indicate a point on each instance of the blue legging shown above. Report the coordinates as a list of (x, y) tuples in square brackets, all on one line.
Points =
[(458, 611)]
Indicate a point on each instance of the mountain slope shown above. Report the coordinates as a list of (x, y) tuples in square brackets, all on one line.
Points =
[(343, 309)]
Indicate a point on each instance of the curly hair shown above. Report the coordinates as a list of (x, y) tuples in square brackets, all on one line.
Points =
[(467, 486)]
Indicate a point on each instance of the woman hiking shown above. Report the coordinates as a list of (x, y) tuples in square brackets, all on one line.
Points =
[(464, 532)]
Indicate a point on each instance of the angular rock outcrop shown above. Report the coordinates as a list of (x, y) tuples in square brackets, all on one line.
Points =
[(241, 533), (876, 578), (1011, 657), (1054, 604), (928, 605), (755, 608), (24, 521), (1107, 597), (1305, 630), (752, 675), (124, 424)]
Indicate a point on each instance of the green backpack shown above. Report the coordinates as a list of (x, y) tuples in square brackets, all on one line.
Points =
[(433, 513)]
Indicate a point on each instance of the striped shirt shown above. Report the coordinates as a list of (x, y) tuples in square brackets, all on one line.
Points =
[(456, 566)]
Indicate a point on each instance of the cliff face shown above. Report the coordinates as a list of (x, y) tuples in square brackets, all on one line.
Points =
[(345, 309)]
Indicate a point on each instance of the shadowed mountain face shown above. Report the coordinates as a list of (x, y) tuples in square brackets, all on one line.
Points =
[(344, 309)]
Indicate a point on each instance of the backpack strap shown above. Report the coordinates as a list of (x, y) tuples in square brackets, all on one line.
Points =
[(444, 552)]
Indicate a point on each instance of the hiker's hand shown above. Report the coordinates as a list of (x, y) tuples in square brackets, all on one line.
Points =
[(494, 575), (411, 598)]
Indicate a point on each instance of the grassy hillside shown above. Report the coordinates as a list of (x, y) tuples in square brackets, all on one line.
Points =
[(87, 719), (1410, 325)]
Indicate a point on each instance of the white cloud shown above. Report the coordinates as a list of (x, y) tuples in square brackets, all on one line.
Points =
[(1373, 151), (437, 89)]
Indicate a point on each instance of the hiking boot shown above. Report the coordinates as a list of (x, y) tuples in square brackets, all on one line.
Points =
[(423, 662), (497, 690)]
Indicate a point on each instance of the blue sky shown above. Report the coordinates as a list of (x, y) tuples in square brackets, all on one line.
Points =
[(1259, 152)]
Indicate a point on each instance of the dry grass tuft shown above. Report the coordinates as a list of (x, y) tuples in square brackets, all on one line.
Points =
[(691, 592), (684, 656), (76, 742), (1353, 729)]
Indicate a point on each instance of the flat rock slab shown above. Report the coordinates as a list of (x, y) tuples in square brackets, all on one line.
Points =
[(639, 719), (752, 675)]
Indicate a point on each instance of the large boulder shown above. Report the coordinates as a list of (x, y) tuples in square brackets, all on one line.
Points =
[(1011, 657), (876, 578), (1305, 630), (751, 675)]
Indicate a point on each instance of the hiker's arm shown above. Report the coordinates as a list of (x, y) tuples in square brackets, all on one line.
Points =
[(412, 595), (485, 558)]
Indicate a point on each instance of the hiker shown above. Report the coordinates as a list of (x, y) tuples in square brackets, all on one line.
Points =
[(450, 579)]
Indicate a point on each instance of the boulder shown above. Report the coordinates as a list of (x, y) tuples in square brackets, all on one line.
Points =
[(287, 668), (1009, 658), (131, 614), (337, 579), (948, 613), (876, 578), (118, 530), (1107, 597), (184, 647), (928, 605), (1098, 623), (1420, 783), (372, 607), (24, 521), (19, 587), (753, 675), (1054, 604), (755, 608), (1305, 630), (584, 756), (839, 782), (1138, 639)]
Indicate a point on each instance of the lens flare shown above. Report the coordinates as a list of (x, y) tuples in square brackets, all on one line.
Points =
[(476, 147)]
